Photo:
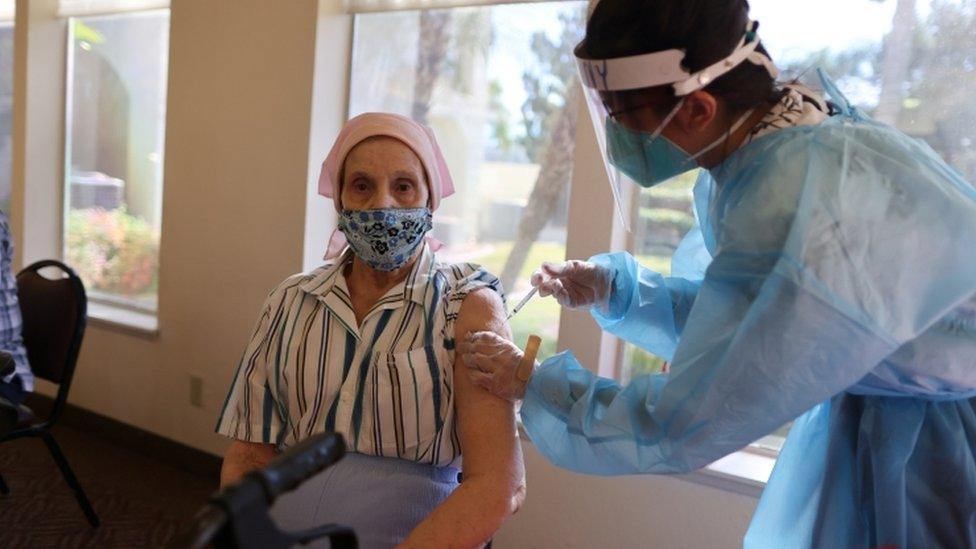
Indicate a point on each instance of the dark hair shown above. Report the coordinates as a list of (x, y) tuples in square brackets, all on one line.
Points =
[(707, 30)]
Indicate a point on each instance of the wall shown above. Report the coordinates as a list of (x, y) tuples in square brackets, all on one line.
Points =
[(564, 509), (238, 118), (38, 146)]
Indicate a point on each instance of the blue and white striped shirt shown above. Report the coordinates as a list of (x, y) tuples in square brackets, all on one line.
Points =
[(386, 386), (11, 322)]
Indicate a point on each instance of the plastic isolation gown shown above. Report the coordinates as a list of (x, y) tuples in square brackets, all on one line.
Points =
[(832, 281)]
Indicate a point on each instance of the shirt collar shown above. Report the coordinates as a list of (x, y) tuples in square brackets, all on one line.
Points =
[(329, 277)]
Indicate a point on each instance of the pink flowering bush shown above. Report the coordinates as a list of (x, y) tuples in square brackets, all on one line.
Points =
[(113, 251)]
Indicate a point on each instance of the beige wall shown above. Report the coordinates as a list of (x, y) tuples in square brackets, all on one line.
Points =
[(567, 510), (37, 146)]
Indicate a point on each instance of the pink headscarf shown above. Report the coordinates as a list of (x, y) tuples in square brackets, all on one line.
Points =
[(418, 137)]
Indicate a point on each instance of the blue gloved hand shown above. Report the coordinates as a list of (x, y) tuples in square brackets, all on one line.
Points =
[(575, 284)]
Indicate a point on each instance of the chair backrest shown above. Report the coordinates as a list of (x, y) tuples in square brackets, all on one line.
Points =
[(54, 312)]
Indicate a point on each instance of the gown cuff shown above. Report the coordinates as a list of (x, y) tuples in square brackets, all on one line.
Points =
[(622, 268)]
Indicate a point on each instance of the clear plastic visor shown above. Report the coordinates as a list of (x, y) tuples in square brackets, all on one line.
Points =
[(624, 147), (600, 117)]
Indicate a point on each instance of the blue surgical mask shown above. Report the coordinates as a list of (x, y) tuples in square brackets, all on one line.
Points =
[(385, 238), (649, 158)]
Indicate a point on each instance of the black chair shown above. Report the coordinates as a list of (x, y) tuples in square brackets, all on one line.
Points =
[(54, 323)]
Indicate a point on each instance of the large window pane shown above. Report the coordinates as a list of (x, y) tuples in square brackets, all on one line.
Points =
[(6, 100), (909, 63), (114, 177), (498, 85)]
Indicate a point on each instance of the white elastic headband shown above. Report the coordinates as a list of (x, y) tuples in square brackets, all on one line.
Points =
[(664, 67)]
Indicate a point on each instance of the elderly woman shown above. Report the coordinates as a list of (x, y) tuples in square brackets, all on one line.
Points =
[(364, 346)]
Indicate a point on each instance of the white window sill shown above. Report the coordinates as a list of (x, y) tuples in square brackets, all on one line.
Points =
[(744, 472), (125, 320)]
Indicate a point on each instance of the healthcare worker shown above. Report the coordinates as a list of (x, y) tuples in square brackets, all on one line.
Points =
[(831, 280)]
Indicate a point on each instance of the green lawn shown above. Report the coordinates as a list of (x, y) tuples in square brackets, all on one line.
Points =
[(494, 259), (659, 263)]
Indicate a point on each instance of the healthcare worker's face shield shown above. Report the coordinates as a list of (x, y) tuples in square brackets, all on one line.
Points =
[(643, 156)]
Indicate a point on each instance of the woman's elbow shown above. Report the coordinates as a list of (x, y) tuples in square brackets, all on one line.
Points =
[(506, 501), (517, 497), (497, 498)]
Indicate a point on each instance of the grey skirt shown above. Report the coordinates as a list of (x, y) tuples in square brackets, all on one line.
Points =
[(382, 499)]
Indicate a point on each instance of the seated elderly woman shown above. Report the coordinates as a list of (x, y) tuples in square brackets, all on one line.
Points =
[(364, 346)]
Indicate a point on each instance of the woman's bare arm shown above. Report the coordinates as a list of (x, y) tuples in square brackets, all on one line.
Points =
[(242, 458), (494, 476)]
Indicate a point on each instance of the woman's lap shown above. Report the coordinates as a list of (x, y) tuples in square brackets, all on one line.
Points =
[(382, 499)]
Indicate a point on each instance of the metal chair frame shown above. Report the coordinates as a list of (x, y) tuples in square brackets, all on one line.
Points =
[(42, 429)]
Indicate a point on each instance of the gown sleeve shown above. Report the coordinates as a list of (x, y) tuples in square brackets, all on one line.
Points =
[(840, 251), (646, 308)]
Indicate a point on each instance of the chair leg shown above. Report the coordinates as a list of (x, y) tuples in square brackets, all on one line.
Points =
[(69, 476), (4, 489)]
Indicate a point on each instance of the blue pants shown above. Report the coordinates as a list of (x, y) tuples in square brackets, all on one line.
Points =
[(11, 394), (381, 498), (13, 391)]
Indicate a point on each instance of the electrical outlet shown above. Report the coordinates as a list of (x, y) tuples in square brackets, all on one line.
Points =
[(196, 390)]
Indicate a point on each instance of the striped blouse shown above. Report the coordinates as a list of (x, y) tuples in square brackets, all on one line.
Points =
[(386, 386)]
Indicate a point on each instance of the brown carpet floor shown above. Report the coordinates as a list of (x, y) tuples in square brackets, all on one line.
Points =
[(141, 501)]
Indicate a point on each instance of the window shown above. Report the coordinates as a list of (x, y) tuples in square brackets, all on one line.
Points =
[(6, 100), (498, 86), (909, 63), (116, 111)]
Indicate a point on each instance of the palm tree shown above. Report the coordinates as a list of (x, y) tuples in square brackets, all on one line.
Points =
[(896, 62), (551, 114), (555, 171), (431, 52)]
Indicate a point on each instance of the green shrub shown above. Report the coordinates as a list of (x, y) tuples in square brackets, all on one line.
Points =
[(113, 251)]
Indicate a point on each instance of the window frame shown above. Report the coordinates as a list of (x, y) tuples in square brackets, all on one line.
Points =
[(110, 309)]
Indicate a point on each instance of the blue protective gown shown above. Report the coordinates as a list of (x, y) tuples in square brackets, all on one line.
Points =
[(833, 277)]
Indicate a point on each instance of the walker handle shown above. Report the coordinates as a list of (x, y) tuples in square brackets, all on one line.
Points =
[(300, 462)]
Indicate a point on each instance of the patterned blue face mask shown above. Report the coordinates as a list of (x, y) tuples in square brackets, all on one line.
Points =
[(385, 238)]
